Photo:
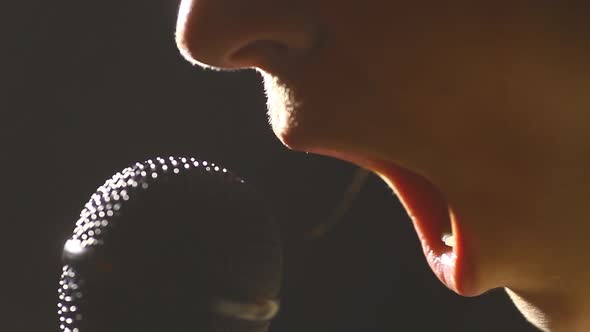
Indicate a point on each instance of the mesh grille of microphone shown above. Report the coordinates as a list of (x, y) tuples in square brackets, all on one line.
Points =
[(162, 240)]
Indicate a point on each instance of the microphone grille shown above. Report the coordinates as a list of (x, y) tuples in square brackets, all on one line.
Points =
[(108, 200), (160, 244)]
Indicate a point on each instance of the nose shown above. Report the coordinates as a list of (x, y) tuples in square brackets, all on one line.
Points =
[(234, 34)]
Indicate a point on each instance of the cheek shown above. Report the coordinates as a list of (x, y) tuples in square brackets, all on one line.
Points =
[(402, 85)]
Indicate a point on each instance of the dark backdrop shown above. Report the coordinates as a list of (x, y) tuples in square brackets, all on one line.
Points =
[(91, 86)]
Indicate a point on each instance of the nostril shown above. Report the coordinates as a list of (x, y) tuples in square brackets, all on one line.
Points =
[(261, 53), (228, 35), (270, 46)]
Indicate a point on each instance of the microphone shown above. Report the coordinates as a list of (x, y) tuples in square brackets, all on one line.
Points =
[(174, 244)]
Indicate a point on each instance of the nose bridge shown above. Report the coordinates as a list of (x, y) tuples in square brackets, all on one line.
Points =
[(208, 32)]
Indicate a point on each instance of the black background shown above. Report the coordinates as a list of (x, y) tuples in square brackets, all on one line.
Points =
[(90, 86)]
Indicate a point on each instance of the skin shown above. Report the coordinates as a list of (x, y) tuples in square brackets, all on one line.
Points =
[(487, 100)]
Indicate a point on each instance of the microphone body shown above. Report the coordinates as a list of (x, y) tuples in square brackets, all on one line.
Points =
[(174, 244)]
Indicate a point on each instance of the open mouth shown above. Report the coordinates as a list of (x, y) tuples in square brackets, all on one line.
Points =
[(434, 220)]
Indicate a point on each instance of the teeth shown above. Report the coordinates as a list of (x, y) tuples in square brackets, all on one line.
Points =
[(449, 239)]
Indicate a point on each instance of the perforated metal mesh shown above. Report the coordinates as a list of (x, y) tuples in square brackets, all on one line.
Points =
[(160, 242)]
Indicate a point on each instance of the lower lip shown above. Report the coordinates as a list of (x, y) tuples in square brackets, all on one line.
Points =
[(431, 215)]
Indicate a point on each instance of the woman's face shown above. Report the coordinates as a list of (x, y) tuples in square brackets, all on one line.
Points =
[(475, 113)]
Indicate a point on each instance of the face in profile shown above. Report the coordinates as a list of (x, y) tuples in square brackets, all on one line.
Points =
[(474, 113)]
